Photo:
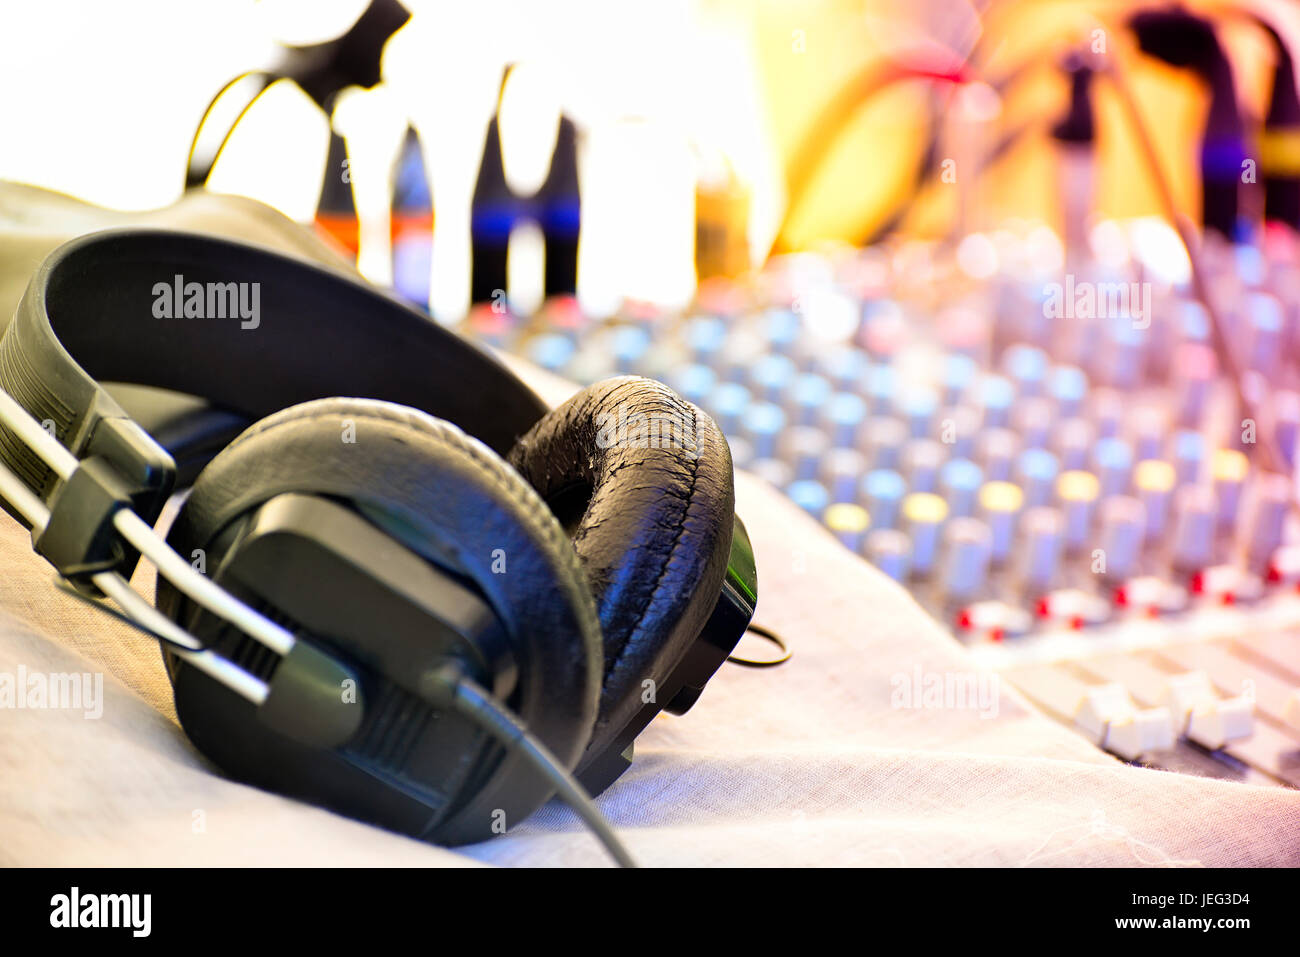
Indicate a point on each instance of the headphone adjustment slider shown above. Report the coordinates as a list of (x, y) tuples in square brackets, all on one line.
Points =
[(79, 539)]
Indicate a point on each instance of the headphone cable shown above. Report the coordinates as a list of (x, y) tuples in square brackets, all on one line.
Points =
[(448, 687)]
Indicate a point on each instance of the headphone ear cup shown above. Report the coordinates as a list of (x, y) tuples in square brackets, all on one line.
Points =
[(643, 481), (447, 497)]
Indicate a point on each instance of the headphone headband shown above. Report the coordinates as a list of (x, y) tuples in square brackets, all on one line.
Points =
[(163, 308)]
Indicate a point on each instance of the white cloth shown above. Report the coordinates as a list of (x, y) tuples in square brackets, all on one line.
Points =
[(810, 763), (804, 764)]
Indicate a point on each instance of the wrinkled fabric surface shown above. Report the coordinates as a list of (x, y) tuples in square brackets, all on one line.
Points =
[(805, 764), (811, 763)]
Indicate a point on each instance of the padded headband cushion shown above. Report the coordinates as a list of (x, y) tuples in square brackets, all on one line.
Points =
[(655, 534), (448, 498)]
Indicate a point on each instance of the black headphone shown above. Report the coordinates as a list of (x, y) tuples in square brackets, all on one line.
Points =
[(583, 566)]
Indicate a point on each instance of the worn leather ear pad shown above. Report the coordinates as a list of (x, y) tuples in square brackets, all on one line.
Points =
[(653, 535), (447, 497)]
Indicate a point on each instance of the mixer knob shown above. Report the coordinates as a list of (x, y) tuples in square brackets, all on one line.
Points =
[(999, 507), (882, 386), (1123, 528), (1027, 367), (845, 413), (1041, 530), (959, 372), (883, 441), (847, 368), (694, 383), (959, 426), (1072, 442), (762, 424), (848, 522), (1154, 481), (809, 495), (1189, 455), (1193, 546), (917, 407), (773, 471), (959, 485), (803, 447), (629, 347), (996, 450), (1112, 462), (841, 470), (1077, 492), (1107, 412), (727, 403), (890, 551), (996, 395), (705, 338), (921, 460), (923, 517), (1033, 419), (807, 395), (552, 351), (967, 547), (742, 352), (1273, 494), (1149, 431), (882, 492), (772, 376), (1229, 469), (1036, 471), (1067, 386)]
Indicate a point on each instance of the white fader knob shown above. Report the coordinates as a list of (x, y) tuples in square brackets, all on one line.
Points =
[(1203, 716), (1184, 693), (1099, 706), (1228, 719), (1149, 729), (1109, 717)]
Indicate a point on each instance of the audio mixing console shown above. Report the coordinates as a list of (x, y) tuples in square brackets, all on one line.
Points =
[(1048, 456)]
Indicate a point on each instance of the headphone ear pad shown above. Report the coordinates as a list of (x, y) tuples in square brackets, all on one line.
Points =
[(643, 481), (447, 497)]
